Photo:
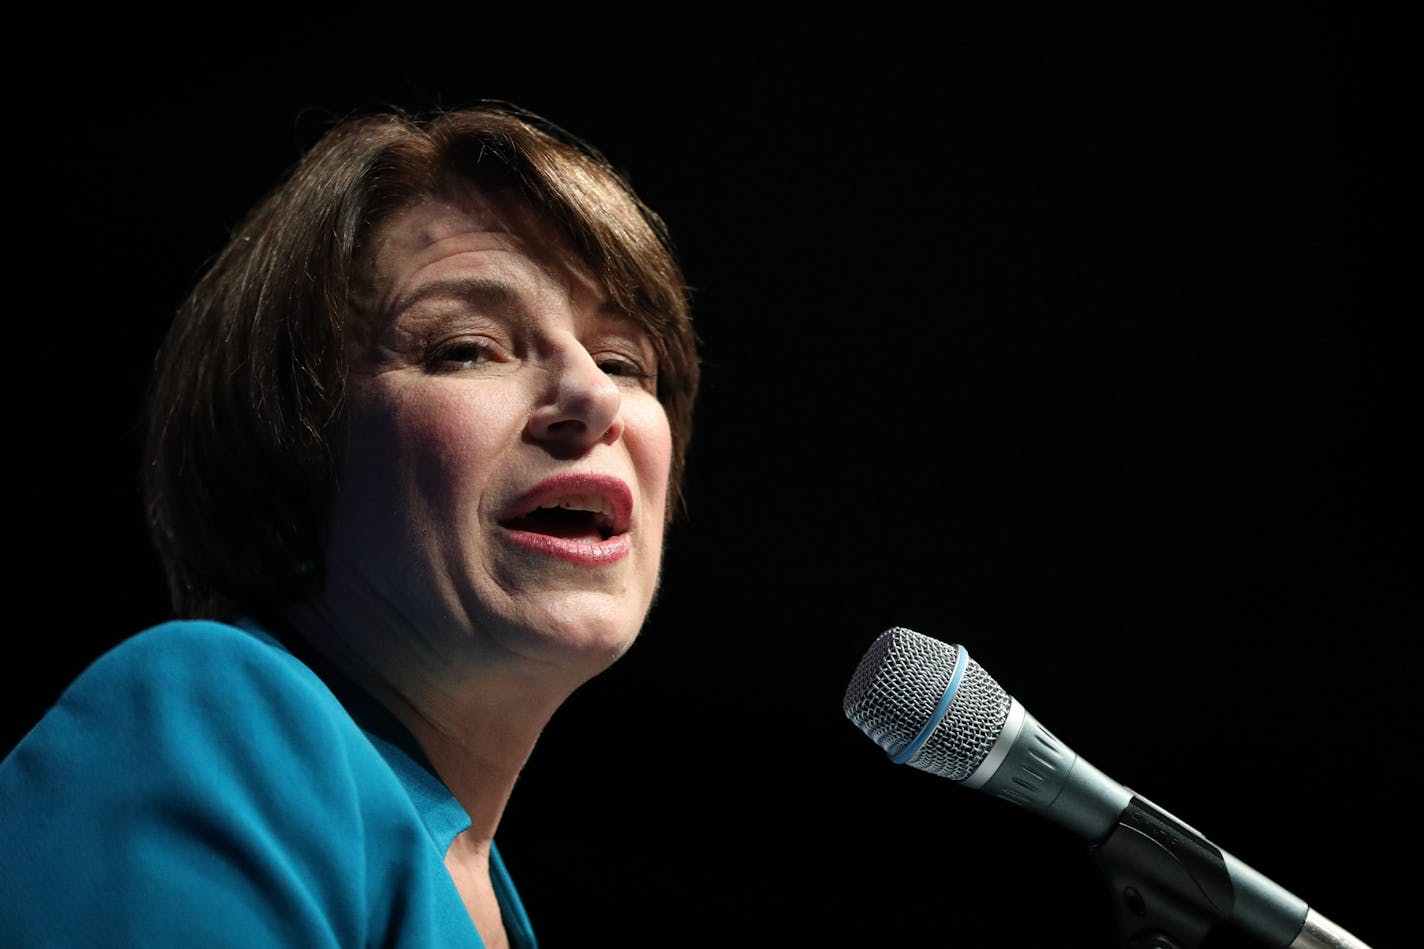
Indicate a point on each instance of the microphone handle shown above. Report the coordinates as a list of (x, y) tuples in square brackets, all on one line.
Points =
[(1166, 877)]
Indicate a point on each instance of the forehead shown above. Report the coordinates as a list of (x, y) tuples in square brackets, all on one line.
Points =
[(463, 223), (462, 232)]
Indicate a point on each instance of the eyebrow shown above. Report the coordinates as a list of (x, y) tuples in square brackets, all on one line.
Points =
[(472, 289), (484, 290)]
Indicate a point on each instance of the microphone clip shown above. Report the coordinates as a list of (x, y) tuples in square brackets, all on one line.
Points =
[(1170, 887)]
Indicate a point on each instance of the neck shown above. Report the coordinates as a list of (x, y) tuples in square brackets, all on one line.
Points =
[(475, 721)]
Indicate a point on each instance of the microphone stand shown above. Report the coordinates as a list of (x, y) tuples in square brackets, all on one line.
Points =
[(1171, 887)]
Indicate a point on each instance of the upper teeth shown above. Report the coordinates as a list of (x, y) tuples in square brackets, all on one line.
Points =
[(582, 502)]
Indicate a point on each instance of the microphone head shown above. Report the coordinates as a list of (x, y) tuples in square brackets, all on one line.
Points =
[(897, 688)]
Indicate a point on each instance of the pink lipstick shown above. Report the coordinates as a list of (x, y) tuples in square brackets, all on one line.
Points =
[(580, 519)]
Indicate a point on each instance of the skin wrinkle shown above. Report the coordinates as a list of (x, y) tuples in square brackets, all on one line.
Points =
[(401, 346), (493, 368)]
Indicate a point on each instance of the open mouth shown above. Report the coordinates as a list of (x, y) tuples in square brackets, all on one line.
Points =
[(578, 517)]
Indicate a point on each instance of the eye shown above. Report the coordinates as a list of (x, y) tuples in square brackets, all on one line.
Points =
[(628, 371), (623, 350), (459, 354), (618, 366)]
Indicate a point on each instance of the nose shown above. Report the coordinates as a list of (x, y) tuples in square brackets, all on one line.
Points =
[(581, 406)]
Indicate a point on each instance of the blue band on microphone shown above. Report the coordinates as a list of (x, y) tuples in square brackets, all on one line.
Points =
[(961, 659)]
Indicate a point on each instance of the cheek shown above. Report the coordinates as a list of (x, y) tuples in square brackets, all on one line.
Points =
[(650, 444), (451, 449), (424, 451)]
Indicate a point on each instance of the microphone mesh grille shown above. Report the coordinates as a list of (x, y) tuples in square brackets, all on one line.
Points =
[(895, 689)]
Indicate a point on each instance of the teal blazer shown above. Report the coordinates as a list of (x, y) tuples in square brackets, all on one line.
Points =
[(201, 785)]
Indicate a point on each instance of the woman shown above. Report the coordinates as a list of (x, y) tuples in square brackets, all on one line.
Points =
[(413, 444)]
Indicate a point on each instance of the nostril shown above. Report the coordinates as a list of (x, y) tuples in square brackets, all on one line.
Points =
[(578, 412)]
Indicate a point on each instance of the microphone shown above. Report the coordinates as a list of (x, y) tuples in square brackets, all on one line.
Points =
[(928, 705)]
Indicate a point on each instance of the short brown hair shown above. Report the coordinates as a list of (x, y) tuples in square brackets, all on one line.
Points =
[(249, 383)]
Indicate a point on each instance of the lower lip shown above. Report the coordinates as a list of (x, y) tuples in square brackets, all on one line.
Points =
[(578, 552)]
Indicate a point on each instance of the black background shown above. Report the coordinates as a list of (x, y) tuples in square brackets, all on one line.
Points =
[(1058, 336)]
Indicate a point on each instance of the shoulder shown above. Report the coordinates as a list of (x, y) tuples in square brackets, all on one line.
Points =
[(180, 681), (208, 693), (205, 710), (200, 764), (181, 652), (212, 700)]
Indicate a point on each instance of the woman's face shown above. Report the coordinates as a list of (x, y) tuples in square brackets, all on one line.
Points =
[(505, 477)]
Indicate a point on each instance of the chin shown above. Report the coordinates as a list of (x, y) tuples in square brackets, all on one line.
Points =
[(581, 643), (595, 649)]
